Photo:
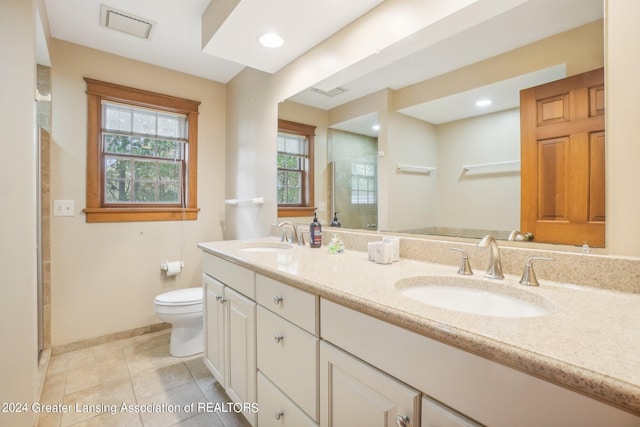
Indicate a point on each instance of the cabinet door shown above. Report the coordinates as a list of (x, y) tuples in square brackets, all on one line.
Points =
[(241, 349), (355, 394), (214, 327)]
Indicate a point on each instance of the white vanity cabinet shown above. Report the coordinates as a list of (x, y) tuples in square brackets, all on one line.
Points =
[(458, 387), (355, 394), (287, 348), (230, 329)]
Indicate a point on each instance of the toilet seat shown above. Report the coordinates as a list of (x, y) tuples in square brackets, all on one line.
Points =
[(179, 302), (188, 296)]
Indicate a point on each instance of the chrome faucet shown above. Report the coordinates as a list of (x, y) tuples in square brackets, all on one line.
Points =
[(293, 238), (494, 270), (516, 235)]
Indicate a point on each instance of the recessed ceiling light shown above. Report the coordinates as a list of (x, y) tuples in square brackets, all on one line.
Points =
[(271, 40), (483, 103)]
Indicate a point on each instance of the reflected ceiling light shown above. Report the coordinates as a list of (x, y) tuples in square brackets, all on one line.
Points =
[(375, 127), (483, 102), (271, 40)]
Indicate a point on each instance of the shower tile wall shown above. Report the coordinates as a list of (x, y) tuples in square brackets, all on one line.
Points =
[(354, 160), (43, 109)]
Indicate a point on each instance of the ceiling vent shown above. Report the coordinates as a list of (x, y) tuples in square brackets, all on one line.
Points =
[(330, 93), (125, 22)]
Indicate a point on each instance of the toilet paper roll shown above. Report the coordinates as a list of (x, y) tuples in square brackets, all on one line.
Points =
[(172, 268)]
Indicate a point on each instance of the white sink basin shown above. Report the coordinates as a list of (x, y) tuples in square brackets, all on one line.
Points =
[(474, 296), (264, 246)]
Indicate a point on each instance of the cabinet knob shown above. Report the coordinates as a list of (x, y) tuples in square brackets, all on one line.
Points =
[(218, 297), (277, 300), (279, 414), (223, 300), (402, 421), (278, 338)]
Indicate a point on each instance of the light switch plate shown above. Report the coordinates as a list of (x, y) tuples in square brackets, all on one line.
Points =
[(322, 206), (64, 208)]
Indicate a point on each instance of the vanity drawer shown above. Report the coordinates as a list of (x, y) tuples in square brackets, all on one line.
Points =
[(276, 409), (288, 356), (297, 306), (239, 278)]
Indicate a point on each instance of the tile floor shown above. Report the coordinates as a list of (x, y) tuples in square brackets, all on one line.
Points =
[(95, 382)]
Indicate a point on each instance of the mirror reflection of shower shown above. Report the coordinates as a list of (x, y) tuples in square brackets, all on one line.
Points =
[(353, 183)]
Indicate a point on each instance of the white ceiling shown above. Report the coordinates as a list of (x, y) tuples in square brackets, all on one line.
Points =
[(177, 39), (221, 50), (301, 23)]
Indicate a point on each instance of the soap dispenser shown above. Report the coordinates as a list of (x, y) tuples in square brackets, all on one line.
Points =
[(335, 222), (315, 232)]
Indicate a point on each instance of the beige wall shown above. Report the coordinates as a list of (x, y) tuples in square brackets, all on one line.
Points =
[(251, 132), (411, 198), (105, 276), (623, 149), (480, 199), (18, 330)]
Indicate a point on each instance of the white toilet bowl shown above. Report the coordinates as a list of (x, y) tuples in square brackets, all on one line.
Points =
[(183, 309)]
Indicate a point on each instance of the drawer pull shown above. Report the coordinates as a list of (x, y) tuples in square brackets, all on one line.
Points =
[(218, 297), (277, 300), (279, 414), (402, 421), (278, 338), (223, 300)]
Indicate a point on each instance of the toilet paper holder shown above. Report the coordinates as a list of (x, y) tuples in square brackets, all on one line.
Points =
[(172, 267)]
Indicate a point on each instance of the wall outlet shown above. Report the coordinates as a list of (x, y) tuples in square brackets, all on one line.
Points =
[(322, 206), (64, 208)]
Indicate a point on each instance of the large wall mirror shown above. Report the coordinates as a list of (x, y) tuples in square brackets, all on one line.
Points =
[(447, 152)]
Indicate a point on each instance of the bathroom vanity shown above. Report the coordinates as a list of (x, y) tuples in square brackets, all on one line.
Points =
[(332, 340)]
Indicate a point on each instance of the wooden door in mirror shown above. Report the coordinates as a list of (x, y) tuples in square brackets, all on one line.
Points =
[(563, 160)]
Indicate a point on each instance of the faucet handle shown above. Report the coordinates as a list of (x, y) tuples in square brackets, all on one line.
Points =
[(464, 268), (529, 277), (301, 233)]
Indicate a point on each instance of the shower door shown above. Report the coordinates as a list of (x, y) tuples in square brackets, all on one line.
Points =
[(353, 183)]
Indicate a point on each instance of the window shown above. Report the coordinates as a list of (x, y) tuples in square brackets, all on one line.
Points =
[(363, 182), (295, 169), (141, 155)]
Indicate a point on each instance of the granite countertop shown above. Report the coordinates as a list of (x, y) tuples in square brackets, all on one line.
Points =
[(590, 342)]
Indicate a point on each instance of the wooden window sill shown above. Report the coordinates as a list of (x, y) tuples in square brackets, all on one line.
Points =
[(297, 211), (140, 214)]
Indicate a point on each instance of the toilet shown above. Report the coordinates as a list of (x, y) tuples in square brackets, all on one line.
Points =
[(183, 309)]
